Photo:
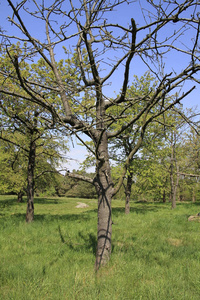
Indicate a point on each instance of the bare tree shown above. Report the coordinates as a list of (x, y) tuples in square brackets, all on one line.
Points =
[(103, 47)]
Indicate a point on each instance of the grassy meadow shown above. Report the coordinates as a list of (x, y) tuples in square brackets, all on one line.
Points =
[(156, 252)]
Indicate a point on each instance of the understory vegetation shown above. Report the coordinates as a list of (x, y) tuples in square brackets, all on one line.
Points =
[(155, 251)]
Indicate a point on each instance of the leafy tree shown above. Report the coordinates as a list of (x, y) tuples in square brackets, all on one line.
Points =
[(12, 170), (30, 128), (124, 143), (189, 171), (39, 151), (161, 169), (89, 27)]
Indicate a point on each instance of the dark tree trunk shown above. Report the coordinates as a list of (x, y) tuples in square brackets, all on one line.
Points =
[(176, 185), (164, 196), (172, 196), (128, 192), (193, 195), (172, 160), (104, 187), (31, 183), (20, 197)]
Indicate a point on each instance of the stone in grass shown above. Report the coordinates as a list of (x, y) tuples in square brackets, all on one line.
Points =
[(81, 205), (194, 218)]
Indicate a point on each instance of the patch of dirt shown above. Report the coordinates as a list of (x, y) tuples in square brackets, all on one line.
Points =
[(194, 218), (81, 205), (175, 242)]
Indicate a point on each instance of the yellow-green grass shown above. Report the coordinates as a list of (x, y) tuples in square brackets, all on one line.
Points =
[(156, 251)]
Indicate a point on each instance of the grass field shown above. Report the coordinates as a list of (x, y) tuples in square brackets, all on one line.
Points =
[(156, 252)]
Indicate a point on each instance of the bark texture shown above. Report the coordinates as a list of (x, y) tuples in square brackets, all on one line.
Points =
[(31, 183), (128, 193), (104, 187), (20, 197)]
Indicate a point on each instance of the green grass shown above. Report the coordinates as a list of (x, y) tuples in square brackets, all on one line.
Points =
[(156, 252)]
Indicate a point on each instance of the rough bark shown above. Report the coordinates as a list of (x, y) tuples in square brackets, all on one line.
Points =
[(164, 196), (193, 195), (104, 187), (20, 197), (31, 183), (172, 160), (128, 192)]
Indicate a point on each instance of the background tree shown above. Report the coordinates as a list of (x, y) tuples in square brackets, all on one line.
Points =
[(32, 125), (124, 144), (12, 170), (89, 27)]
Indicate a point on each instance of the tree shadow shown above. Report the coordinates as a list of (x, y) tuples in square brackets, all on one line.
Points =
[(85, 241), (47, 201), (138, 210), (65, 217), (9, 202), (196, 203)]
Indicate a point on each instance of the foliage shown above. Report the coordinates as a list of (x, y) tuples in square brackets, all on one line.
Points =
[(23, 125), (12, 169)]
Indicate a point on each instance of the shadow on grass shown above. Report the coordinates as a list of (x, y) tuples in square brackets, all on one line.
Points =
[(196, 203), (85, 241), (48, 218), (13, 201), (57, 200), (47, 201), (66, 217), (143, 209), (9, 202)]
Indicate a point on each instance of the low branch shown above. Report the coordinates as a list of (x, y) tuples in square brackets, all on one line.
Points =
[(49, 171), (80, 177), (190, 175)]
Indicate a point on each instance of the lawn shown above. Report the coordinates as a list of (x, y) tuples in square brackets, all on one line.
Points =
[(156, 252)]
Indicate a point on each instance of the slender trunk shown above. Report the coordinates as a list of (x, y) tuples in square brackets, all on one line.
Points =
[(164, 196), (128, 192), (31, 183), (173, 188), (172, 196), (193, 195), (176, 185), (181, 197), (104, 187), (20, 197)]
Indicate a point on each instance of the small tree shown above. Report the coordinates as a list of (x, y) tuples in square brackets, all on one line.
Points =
[(124, 144), (29, 128), (12, 170)]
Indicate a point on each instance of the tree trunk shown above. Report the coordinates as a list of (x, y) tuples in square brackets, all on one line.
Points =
[(104, 188), (128, 192), (172, 196), (31, 183), (172, 160), (164, 196), (175, 189), (20, 197), (193, 195)]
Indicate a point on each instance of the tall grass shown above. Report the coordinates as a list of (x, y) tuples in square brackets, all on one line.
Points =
[(155, 252)]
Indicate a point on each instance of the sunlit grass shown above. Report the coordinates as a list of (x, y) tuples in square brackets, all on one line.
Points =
[(155, 252)]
